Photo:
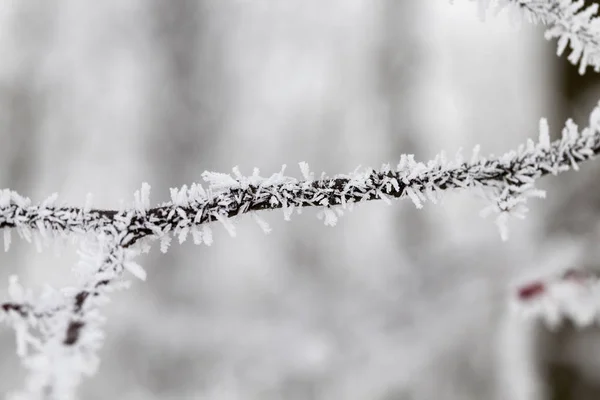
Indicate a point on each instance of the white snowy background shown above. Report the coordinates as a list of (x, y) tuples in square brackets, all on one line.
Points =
[(392, 303)]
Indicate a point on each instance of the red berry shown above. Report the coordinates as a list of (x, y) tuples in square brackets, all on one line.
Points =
[(532, 290)]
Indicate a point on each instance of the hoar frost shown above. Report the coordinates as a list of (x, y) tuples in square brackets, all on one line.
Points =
[(58, 332)]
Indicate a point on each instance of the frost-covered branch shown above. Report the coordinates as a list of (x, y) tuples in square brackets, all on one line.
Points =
[(229, 196), (507, 180), (63, 322), (569, 21), (573, 294), (58, 332)]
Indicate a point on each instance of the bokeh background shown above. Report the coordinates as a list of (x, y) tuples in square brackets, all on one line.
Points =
[(393, 302)]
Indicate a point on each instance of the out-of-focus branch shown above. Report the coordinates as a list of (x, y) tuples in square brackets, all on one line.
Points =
[(571, 22), (58, 334)]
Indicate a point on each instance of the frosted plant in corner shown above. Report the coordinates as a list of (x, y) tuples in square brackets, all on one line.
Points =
[(58, 332)]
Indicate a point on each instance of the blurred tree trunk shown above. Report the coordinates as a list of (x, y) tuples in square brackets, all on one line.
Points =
[(24, 40), (575, 213), (22, 99), (401, 60), (187, 103)]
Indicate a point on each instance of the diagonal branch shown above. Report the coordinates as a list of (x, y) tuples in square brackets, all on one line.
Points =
[(227, 197), (509, 177)]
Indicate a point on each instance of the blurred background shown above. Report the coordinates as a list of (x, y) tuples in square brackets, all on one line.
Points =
[(393, 302)]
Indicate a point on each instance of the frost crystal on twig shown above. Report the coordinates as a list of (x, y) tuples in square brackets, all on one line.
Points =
[(507, 181)]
